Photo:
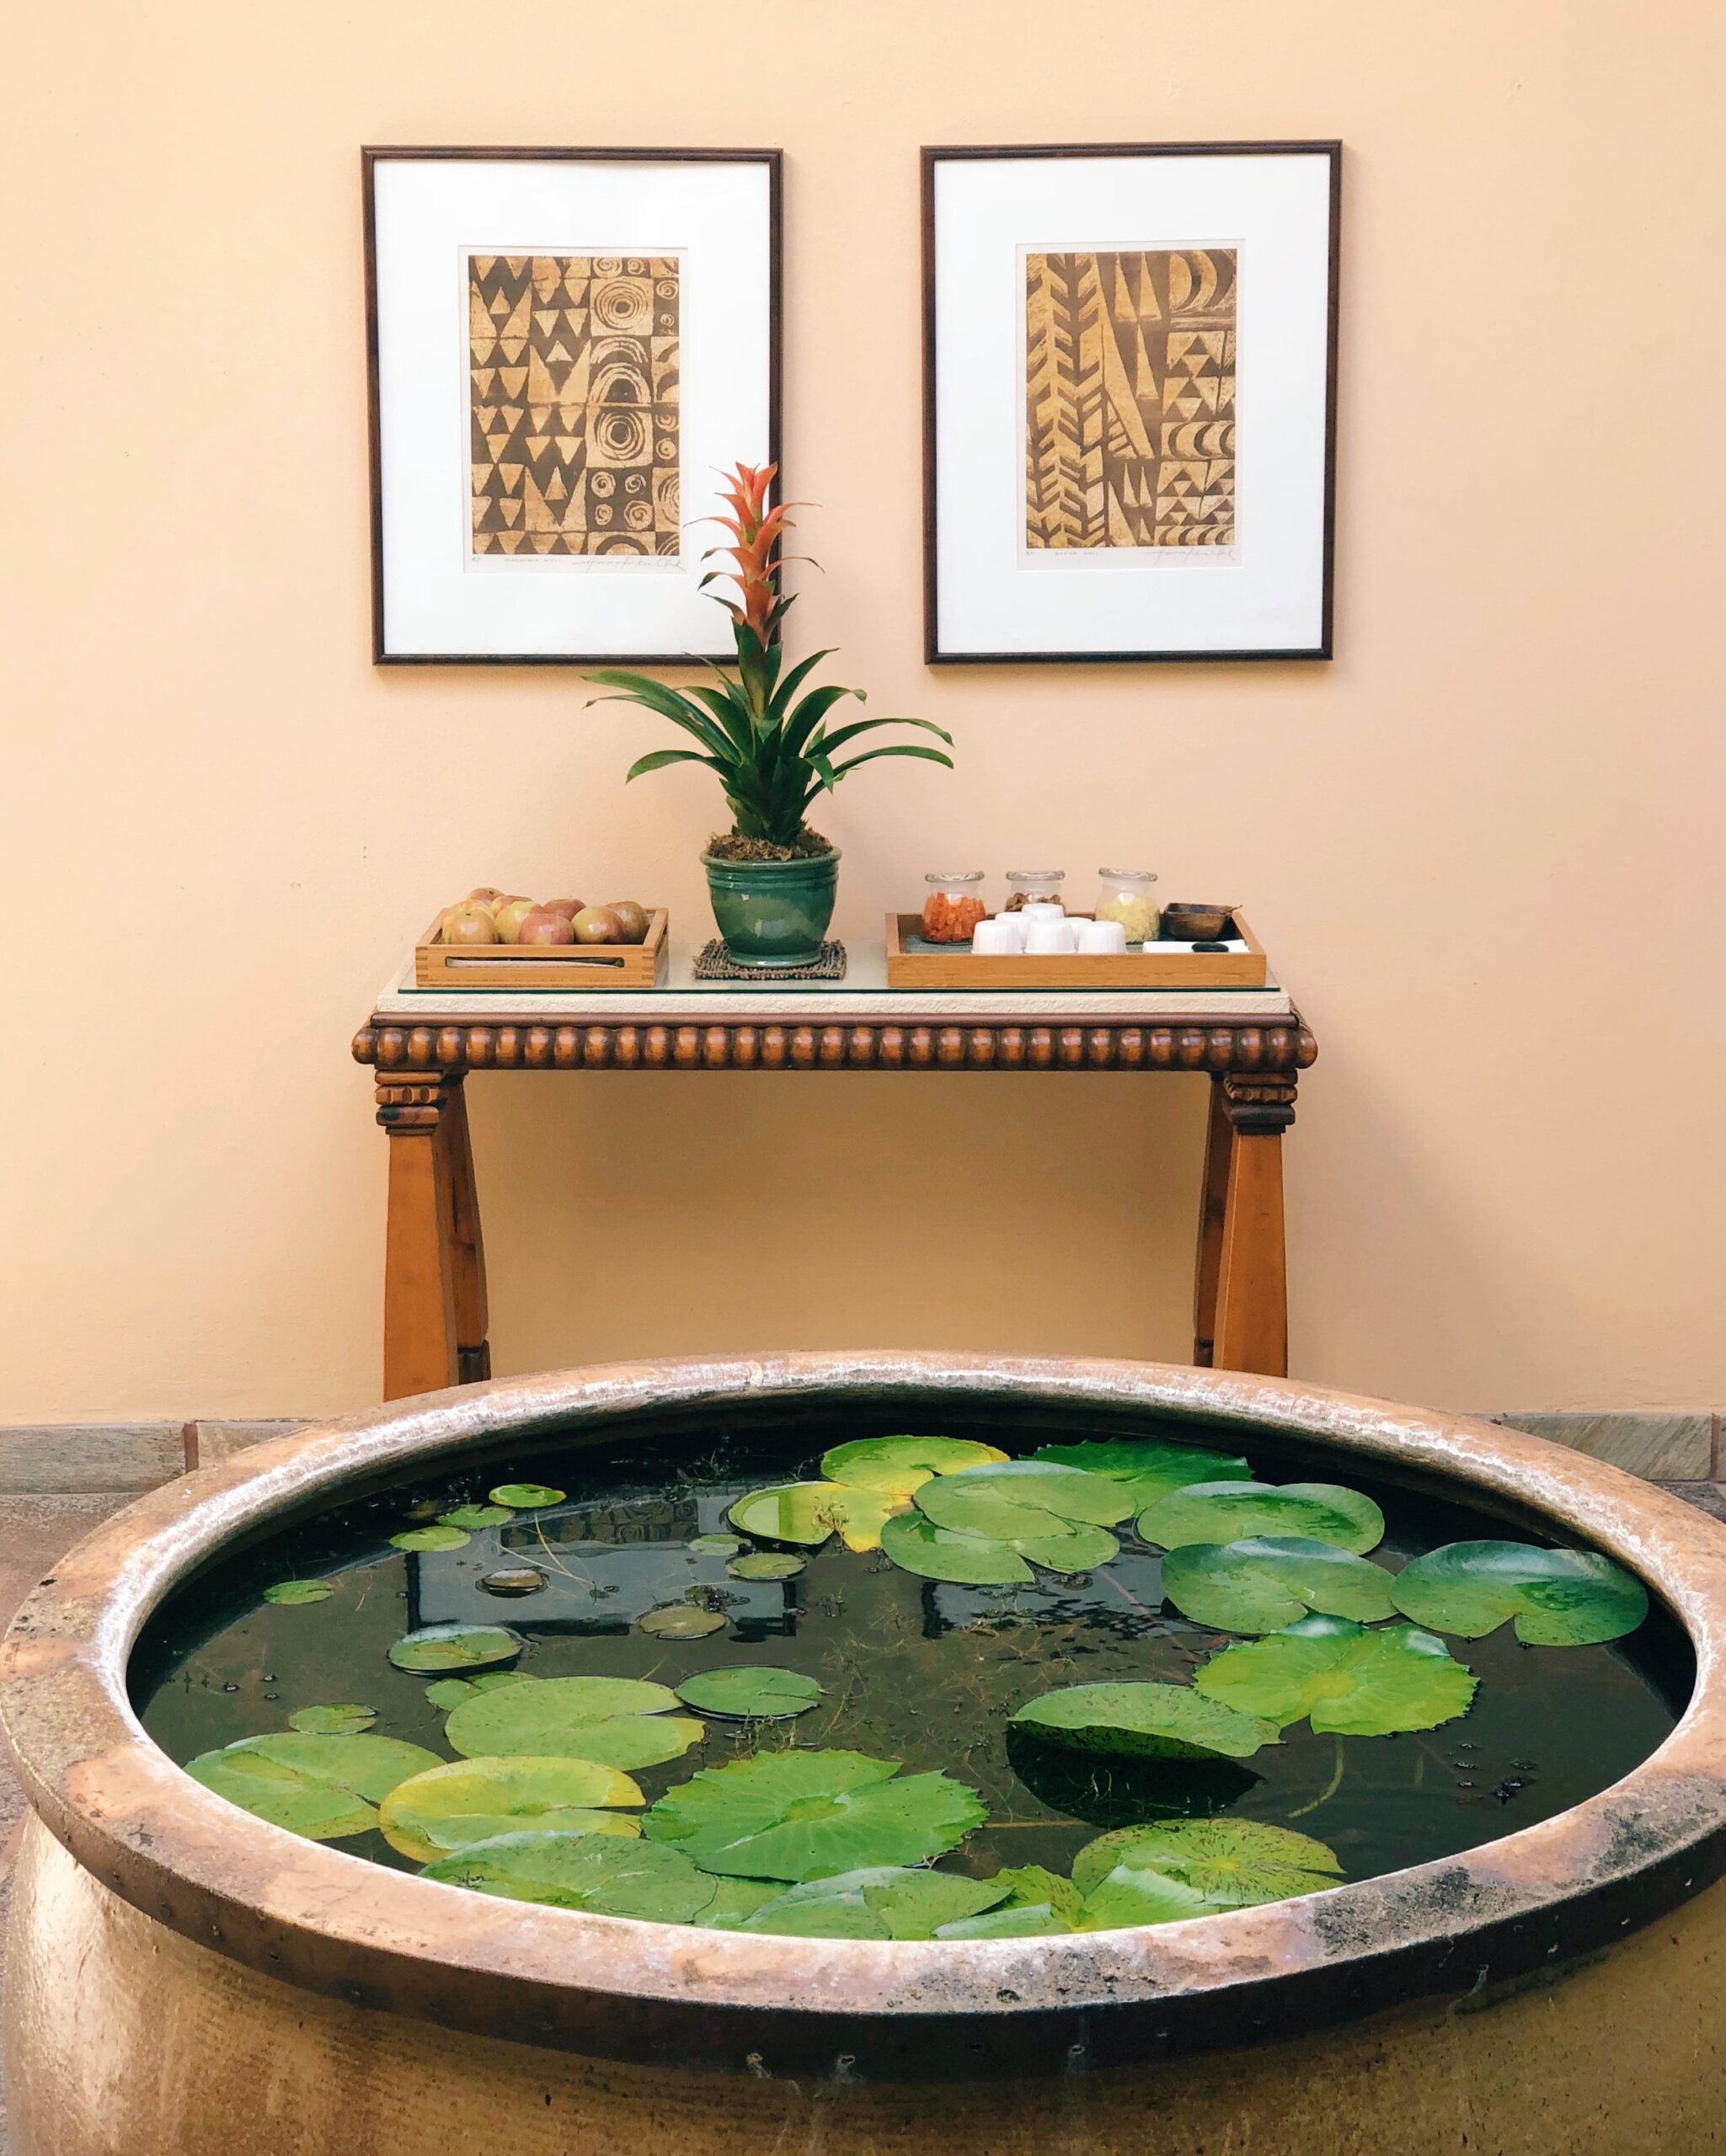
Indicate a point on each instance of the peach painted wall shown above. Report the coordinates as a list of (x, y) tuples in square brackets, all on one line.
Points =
[(1508, 1181)]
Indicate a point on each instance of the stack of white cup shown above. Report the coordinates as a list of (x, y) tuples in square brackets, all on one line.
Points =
[(1044, 930)]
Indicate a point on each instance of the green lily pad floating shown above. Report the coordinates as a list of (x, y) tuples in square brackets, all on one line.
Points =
[(450, 1691), (734, 1901), (1339, 1676), (1146, 1722), (595, 1872), (916, 1544), (747, 1694), (346, 1719), (429, 1538), (468, 1517), (767, 1565), (1147, 1468), (1234, 1511), (1160, 1875), (291, 1594), (809, 1513), (450, 1807), (614, 1721), (975, 1496), (1039, 1903), (682, 1620), (807, 1815), (525, 1497), (715, 1545), (880, 1901), (322, 1787), (1263, 1583), (899, 1465), (436, 1649), (1558, 1597)]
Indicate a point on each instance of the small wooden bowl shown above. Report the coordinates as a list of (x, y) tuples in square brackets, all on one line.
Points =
[(1197, 924)]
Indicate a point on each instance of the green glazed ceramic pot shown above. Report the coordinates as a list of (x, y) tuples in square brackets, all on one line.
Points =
[(773, 913)]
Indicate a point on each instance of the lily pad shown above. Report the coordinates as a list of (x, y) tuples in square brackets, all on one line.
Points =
[(1233, 1511), (1341, 1676), (1264, 1583), (881, 1902), (735, 1901), (450, 1691), (899, 1465), (916, 1544), (767, 1565), (429, 1538), (1148, 1467), (436, 1649), (682, 1620), (809, 1513), (806, 1815), (595, 1872), (526, 1496), (1159, 1874), (291, 1594), (475, 1516), (1038, 1904), (715, 1545), (744, 1693), (982, 1500), (347, 1719), (615, 1721), (1558, 1597), (452, 1807), (1145, 1722), (321, 1787)]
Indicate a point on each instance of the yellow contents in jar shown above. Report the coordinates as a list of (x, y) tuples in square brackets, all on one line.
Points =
[(1138, 915)]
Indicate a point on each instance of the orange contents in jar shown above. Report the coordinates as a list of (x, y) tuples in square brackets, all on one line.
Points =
[(950, 919)]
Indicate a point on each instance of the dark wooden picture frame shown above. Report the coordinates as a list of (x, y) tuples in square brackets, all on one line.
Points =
[(370, 158), (933, 158)]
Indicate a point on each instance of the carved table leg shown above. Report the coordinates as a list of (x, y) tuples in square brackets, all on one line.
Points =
[(472, 1353), (1219, 1144), (1251, 1319), (419, 1337)]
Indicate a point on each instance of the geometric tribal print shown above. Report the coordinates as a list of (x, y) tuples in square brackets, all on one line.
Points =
[(1130, 399), (574, 403)]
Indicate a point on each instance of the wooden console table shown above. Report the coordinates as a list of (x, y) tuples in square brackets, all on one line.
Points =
[(423, 1043)]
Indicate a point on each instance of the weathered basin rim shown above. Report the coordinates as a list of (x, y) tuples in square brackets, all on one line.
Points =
[(334, 1923)]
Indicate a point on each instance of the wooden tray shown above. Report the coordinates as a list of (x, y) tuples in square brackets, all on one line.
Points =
[(579, 966), (1152, 965)]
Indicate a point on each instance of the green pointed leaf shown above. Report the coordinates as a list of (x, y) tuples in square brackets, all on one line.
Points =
[(984, 1500), (322, 1787), (1162, 1874), (767, 1564), (660, 758), (429, 1538), (1341, 1676), (682, 1620), (899, 1465), (808, 1513), (805, 1815), (347, 1719), (614, 1721), (1145, 1722), (452, 1807), (292, 1595), (1038, 1904), (715, 1545), (1148, 1467), (1262, 1584), (916, 1544), (437, 1648), (476, 1516), (526, 1496), (595, 1872), (879, 1902), (1558, 1597), (744, 1693), (1234, 1511), (450, 1691)]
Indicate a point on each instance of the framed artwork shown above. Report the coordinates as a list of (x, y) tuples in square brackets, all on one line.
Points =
[(565, 349), (1130, 401)]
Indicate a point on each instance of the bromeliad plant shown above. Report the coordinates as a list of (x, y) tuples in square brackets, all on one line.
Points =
[(764, 735)]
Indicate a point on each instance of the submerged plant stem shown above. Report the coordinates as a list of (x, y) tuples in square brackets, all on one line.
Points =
[(1329, 1789)]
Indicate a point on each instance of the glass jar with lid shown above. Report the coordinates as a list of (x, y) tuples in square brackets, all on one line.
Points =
[(1123, 894), (1033, 886), (954, 905)]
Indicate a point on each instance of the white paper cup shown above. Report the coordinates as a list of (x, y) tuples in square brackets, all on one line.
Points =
[(1105, 938), (991, 939), (1012, 930), (1048, 939)]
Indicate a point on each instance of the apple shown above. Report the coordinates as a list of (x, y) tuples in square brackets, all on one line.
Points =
[(484, 894), (543, 927), (568, 907), (597, 925), (468, 923), (510, 918), (633, 918)]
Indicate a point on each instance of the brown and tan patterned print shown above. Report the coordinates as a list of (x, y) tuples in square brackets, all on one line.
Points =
[(1130, 399), (572, 402)]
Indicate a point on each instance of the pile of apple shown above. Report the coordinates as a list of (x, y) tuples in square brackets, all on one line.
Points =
[(489, 916)]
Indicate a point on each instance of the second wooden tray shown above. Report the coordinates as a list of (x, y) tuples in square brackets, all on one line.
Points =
[(1148, 965), (566, 966)]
